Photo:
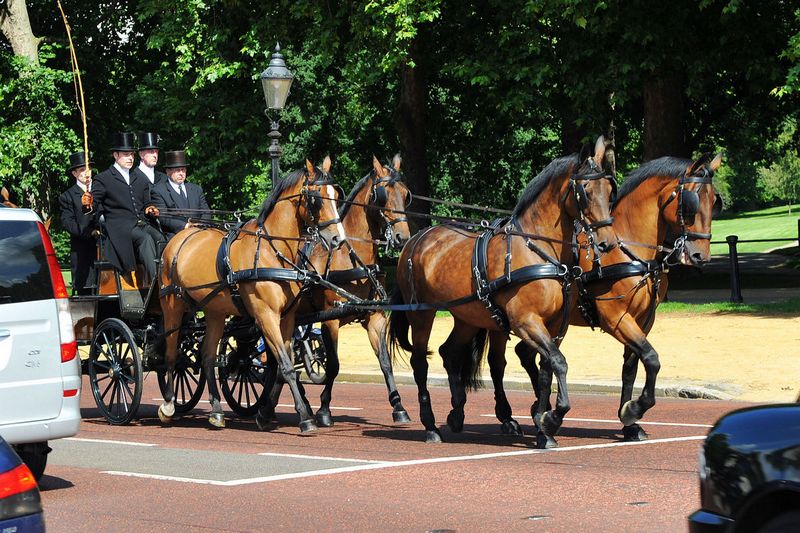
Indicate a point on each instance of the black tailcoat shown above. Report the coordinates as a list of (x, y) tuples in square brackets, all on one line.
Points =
[(83, 247), (165, 197), (123, 208)]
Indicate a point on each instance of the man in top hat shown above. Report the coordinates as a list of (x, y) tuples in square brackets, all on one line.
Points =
[(148, 159), (185, 200), (81, 228), (123, 198)]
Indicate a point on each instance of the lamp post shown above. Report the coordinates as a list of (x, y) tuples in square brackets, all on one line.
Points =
[(275, 81)]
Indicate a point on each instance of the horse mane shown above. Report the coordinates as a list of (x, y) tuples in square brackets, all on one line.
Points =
[(394, 176), (663, 166), (557, 167), (287, 182)]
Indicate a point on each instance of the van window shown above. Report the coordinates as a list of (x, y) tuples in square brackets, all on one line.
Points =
[(24, 274)]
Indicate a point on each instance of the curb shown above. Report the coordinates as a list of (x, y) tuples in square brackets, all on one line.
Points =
[(517, 384)]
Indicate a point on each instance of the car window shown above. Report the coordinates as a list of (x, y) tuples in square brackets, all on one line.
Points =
[(24, 274)]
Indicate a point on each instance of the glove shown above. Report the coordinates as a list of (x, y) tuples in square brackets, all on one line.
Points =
[(87, 199), (151, 211)]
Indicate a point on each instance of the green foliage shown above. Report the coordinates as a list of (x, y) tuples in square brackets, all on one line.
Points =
[(781, 178)]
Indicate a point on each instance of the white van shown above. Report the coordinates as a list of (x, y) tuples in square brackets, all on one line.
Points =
[(40, 378)]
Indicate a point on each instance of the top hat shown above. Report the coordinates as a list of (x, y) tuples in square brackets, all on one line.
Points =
[(176, 159), (77, 160), (123, 142), (148, 141)]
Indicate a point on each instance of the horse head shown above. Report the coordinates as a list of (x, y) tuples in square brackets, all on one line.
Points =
[(689, 208), (388, 199), (317, 206), (592, 188)]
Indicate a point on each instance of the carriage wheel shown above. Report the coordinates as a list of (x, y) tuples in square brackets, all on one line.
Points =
[(115, 371), (242, 378), (190, 378), (312, 351)]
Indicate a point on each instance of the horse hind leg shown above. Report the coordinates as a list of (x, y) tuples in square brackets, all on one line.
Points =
[(215, 326), (330, 337)]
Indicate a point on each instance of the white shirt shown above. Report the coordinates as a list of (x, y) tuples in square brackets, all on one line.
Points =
[(148, 171), (177, 187), (125, 173), (81, 185)]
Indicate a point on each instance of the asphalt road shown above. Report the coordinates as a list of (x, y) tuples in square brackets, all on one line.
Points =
[(366, 474)]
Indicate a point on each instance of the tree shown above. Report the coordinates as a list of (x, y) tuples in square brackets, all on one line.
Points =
[(781, 178)]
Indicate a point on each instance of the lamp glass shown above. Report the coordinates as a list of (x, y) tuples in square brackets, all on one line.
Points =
[(276, 90)]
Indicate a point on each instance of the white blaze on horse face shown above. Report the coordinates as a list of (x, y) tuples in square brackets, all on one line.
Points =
[(331, 194)]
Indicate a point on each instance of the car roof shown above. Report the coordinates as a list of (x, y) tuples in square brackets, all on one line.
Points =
[(19, 214)]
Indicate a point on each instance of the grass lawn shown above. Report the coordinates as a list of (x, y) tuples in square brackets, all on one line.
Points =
[(772, 223)]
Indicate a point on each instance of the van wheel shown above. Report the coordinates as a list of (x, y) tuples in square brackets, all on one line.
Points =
[(34, 455)]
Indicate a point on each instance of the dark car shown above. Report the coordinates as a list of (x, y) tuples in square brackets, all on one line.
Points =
[(750, 472), (20, 503)]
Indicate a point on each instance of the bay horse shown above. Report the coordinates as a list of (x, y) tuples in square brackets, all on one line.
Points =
[(527, 262), (373, 211), (668, 200), (259, 258)]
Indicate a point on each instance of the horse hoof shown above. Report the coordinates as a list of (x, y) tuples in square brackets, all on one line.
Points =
[(217, 420), (455, 421), (308, 426), (627, 414), (545, 442), (633, 433), (324, 419), (163, 416), (511, 427), (401, 417), (264, 423), (433, 436)]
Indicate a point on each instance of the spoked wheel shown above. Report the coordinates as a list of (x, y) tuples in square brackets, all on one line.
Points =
[(312, 350), (242, 377), (115, 371), (190, 378)]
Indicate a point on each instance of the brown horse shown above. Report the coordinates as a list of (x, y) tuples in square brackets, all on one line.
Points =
[(373, 211), (527, 262), (261, 262), (666, 200)]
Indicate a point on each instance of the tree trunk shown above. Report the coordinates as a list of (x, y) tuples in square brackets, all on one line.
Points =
[(411, 120), (16, 27), (664, 118)]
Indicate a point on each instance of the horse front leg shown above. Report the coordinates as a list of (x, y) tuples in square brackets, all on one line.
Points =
[(215, 325), (275, 332), (497, 368), (375, 326), (553, 363), (173, 309), (631, 411), (330, 338)]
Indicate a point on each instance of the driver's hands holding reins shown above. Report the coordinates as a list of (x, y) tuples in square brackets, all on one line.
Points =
[(151, 211)]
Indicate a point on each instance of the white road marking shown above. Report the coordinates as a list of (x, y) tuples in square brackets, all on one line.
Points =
[(333, 407), (105, 441), (603, 421), (396, 464), (321, 457)]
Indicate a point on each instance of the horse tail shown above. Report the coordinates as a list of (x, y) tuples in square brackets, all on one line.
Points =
[(471, 370), (398, 326)]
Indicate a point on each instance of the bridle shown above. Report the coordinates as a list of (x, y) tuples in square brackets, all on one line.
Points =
[(313, 201), (379, 196), (578, 190)]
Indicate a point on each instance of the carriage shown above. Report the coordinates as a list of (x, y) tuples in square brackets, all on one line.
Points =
[(120, 324)]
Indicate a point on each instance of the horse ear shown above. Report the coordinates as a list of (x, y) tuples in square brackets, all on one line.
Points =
[(714, 165), (309, 168), (396, 160), (599, 151), (376, 166), (326, 164), (695, 166)]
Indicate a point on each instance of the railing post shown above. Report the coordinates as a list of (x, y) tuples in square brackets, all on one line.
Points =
[(733, 256)]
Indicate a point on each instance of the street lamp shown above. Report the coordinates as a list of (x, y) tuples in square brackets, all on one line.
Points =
[(275, 81)]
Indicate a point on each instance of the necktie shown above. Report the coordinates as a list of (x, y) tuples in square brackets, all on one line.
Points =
[(182, 193)]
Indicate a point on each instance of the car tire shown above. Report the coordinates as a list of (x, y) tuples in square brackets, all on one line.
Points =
[(34, 455), (788, 522)]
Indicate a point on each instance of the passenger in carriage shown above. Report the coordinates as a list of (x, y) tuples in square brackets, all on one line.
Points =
[(82, 229), (148, 159), (175, 193), (122, 197)]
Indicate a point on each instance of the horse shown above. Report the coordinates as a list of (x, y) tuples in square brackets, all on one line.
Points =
[(526, 259), (372, 211), (669, 200), (258, 258)]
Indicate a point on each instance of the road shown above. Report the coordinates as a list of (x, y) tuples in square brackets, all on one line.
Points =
[(365, 474)]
